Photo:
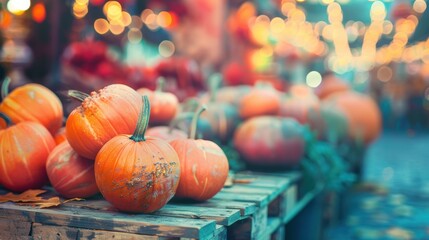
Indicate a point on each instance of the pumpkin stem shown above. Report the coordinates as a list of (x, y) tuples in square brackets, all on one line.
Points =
[(160, 83), (193, 129), (5, 87), (6, 118), (77, 95), (214, 84), (142, 122), (177, 119)]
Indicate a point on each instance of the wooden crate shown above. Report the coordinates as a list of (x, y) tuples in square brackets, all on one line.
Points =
[(255, 207)]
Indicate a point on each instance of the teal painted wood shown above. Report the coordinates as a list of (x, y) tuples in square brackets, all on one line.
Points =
[(113, 221), (245, 208), (260, 200)]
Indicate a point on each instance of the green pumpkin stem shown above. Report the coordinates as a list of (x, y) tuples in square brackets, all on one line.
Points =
[(142, 122), (193, 129), (5, 87), (177, 119), (160, 83), (214, 84), (77, 95), (6, 118)]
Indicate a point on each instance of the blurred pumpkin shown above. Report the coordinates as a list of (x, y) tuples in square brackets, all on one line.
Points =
[(270, 141), (362, 114), (137, 173), (24, 150), (297, 104), (164, 105), (102, 115), (71, 175), (263, 99), (328, 124), (204, 166), (60, 135), (331, 84), (32, 102)]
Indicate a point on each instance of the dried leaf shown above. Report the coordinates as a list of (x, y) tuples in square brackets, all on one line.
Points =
[(31, 198), (243, 180)]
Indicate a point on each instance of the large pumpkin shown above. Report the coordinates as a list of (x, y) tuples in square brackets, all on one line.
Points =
[(263, 99), (328, 123), (71, 175), (270, 141), (24, 150), (137, 173), (362, 114), (204, 166), (102, 115), (32, 102), (164, 105)]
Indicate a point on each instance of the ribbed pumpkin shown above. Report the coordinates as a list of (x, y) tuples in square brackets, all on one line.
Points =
[(137, 173), (164, 105), (263, 99), (32, 102), (24, 149), (204, 166), (362, 114), (102, 115), (270, 141), (71, 175)]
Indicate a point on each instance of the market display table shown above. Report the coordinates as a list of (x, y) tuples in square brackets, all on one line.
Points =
[(256, 206)]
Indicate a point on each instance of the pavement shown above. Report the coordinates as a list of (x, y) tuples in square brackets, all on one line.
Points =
[(392, 202)]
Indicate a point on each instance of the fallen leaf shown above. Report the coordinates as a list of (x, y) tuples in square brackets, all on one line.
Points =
[(31, 198), (243, 180)]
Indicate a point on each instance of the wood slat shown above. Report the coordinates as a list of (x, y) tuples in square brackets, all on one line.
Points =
[(260, 200), (245, 208), (10, 229), (121, 222)]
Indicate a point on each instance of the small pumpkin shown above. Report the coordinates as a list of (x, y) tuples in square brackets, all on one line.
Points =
[(204, 166), (270, 141), (263, 99), (298, 103), (71, 175), (24, 150), (137, 173), (102, 115), (164, 105), (32, 102)]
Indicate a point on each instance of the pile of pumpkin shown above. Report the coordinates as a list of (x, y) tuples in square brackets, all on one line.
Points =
[(106, 145)]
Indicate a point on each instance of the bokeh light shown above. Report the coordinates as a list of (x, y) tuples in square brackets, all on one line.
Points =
[(101, 26), (313, 79), (166, 48)]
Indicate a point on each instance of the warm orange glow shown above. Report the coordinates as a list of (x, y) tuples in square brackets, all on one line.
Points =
[(419, 6), (126, 18), (384, 74), (164, 19), (101, 26), (5, 19), (134, 35), (39, 12)]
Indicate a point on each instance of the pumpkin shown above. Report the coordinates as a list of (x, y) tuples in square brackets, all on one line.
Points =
[(71, 175), (298, 103), (24, 149), (102, 115), (32, 102), (229, 95), (362, 114), (168, 133), (263, 99), (330, 85), (137, 173), (164, 105), (60, 136), (204, 166), (328, 124), (270, 141)]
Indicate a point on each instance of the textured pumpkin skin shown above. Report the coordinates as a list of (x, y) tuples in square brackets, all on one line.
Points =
[(111, 111), (24, 149), (362, 114), (71, 175), (273, 141), (164, 133), (204, 169), (36, 103), (137, 176), (260, 101), (164, 105), (60, 136)]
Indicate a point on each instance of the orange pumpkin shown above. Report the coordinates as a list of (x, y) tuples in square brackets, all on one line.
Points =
[(298, 103), (270, 141), (32, 102), (330, 85), (362, 114), (164, 105), (102, 115), (24, 150), (230, 95), (263, 99), (204, 166), (137, 173), (60, 136), (71, 175)]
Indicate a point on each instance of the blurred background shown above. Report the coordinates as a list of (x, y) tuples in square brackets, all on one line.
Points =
[(379, 49)]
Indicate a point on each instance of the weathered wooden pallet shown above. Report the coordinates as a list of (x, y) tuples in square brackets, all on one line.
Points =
[(255, 207)]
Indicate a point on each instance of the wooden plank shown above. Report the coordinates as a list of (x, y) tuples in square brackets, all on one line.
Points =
[(245, 208), (286, 201), (10, 229), (273, 223), (219, 234), (292, 176), (260, 200), (252, 227), (115, 221)]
